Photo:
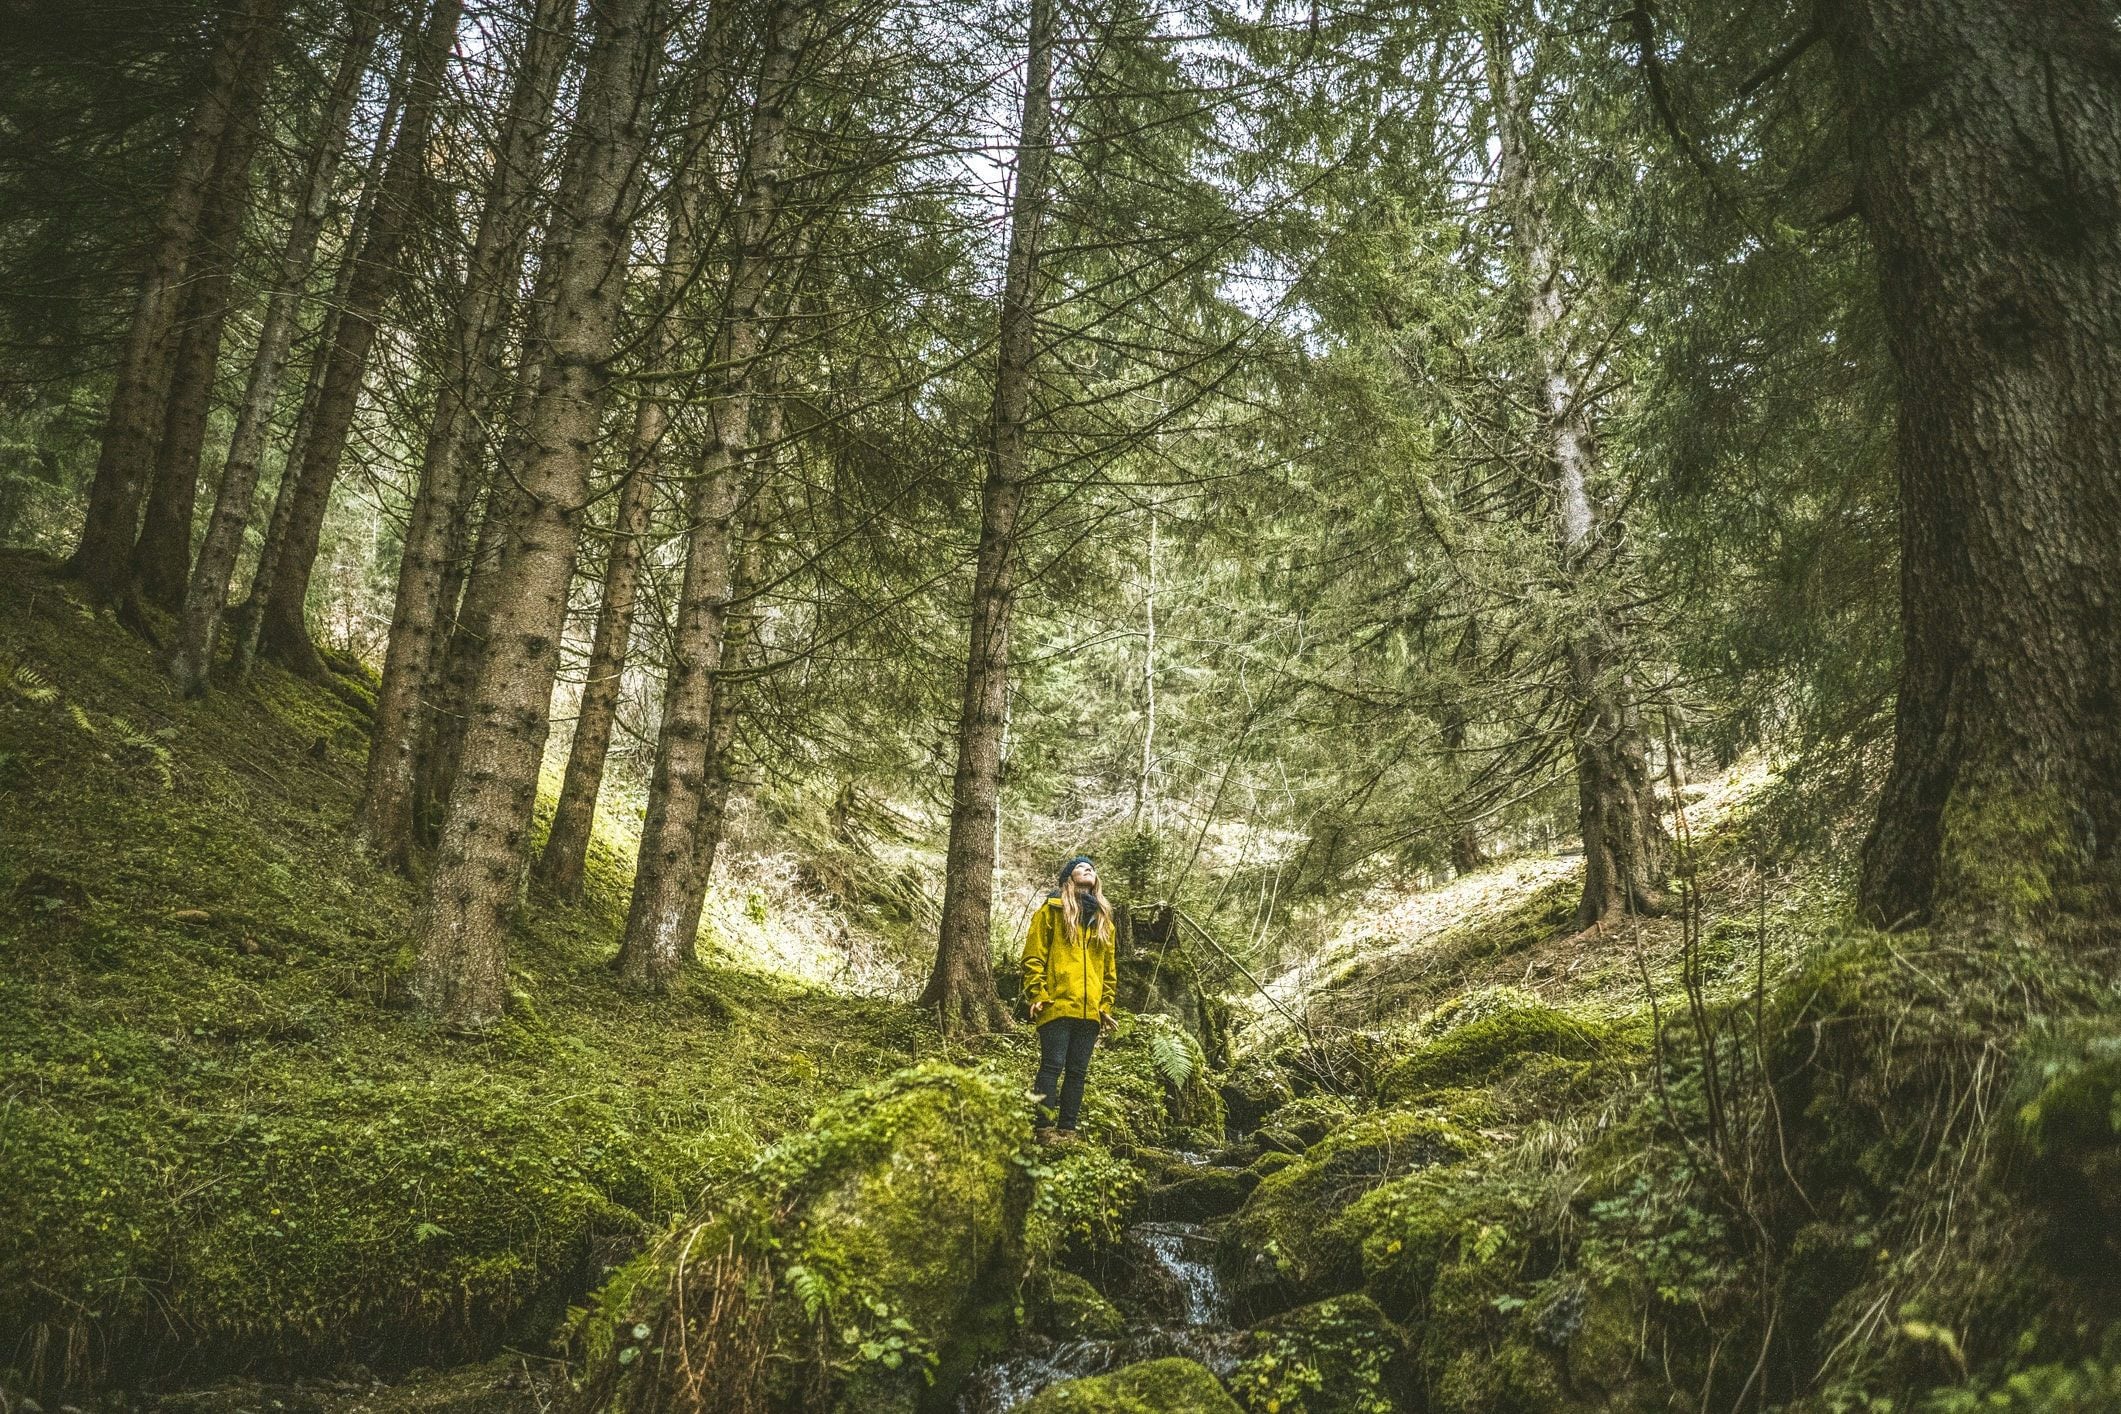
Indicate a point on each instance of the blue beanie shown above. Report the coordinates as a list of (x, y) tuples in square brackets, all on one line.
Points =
[(1069, 867)]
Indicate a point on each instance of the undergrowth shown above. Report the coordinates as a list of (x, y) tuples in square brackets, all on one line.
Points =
[(223, 1142)]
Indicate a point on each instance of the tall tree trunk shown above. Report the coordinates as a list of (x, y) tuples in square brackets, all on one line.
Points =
[(961, 984), (249, 618), (384, 817), (162, 556), (192, 655), (102, 560), (1623, 842), (461, 927), (284, 627), (451, 684), (741, 651), (663, 916), (1987, 141), (1145, 773), (559, 866)]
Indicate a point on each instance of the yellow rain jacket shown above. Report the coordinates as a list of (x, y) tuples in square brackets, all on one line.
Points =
[(1077, 978)]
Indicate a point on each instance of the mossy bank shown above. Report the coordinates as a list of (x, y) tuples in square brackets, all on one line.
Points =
[(226, 1144)]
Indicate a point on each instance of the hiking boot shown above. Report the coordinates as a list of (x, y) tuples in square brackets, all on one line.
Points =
[(1063, 1136), (1045, 1134)]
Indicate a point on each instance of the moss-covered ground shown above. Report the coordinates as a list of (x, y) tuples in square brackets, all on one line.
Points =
[(1749, 1157), (224, 1142)]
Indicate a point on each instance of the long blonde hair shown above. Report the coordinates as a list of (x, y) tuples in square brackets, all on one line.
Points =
[(1072, 908)]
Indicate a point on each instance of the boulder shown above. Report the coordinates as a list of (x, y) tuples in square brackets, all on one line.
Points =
[(1473, 1047), (1205, 1193), (1172, 1386), (1254, 1089), (1338, 1356), (1069, 1308), (1287, 1245), (879, 1248)]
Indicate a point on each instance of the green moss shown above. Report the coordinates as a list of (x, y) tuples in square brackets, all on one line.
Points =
[(1153, 1387), (2068, 1098), (1149, 1086), (1069, 1308), (1198, 1196), (879, 1251), (221, 1136), (1339, 1356), (1273, 1161), (1485, 1047), (1254, 1088), (1513, 1378), (1312, 1117), (1289, 1242), (2008, 856), (1085, 1195)]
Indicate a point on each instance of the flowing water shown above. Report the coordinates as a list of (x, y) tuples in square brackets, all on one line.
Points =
[(1175, 1272)]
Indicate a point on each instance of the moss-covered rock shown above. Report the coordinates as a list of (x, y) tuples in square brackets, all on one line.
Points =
[(1272, 1161), (1254, 1089), (1338, 1356), (1273, 1139), (1172, 1386), (1287, 1245), (879, 1250), (1150, 1086), (1313, 1117), (1068, 1307), (1161, 977), (1206, 1193), (1084, 1197), (2067, 1112), (1480, 1047)]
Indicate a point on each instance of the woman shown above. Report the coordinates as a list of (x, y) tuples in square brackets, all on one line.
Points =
[(1071, 980)]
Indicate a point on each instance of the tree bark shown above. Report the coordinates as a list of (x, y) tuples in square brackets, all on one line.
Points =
[(460, 929), (162, 556), (384, 817), (1145, 773), (192, 655), (249, 617), (102, 560), (741, 651), (283, 626), (1987, 141), (663, 915), (453, 678), (1624, 843), (559, 866), (961, 984)]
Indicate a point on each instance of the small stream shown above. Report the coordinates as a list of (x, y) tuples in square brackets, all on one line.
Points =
[(1174, 1260)]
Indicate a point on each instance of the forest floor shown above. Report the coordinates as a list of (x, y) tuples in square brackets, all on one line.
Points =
[(224, 1135), (242, 1176), (1396, 954)]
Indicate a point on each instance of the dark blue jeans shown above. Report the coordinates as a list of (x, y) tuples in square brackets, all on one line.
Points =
[(1064, 1045)]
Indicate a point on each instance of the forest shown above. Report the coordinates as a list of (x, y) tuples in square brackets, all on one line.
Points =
[(570, 571)]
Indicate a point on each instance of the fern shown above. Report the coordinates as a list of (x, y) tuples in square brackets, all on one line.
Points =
[(30, 685), (1176, 1056), (131, 738), (122, 733), (810, 1289)]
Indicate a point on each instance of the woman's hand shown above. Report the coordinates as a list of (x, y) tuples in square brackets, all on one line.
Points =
[(1036, 1008)]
